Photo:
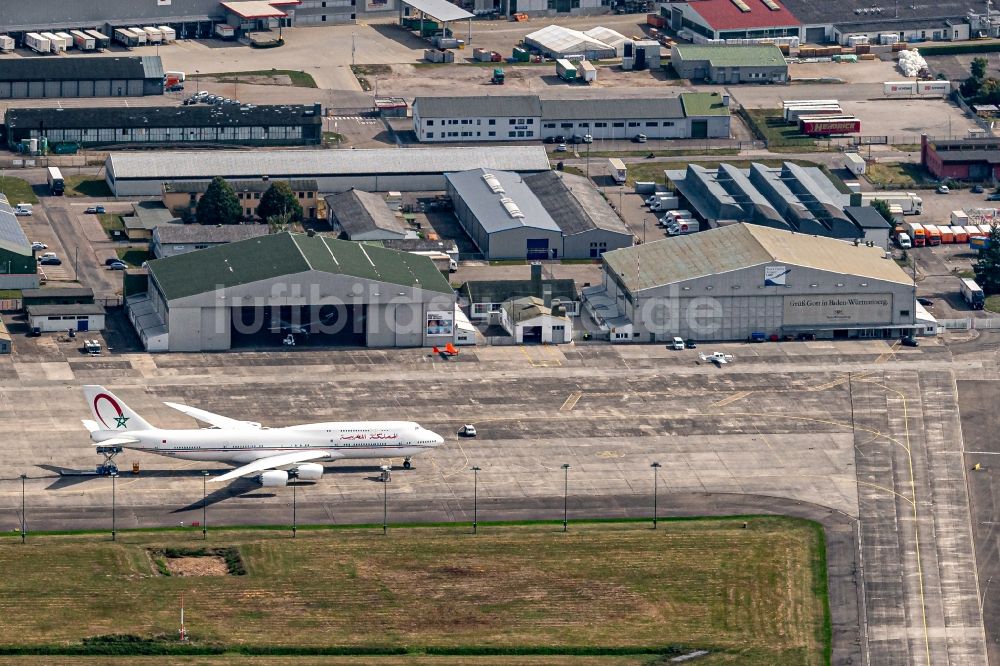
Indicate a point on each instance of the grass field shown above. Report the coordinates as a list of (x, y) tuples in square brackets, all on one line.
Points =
[(17, 191), (992, 303), (111, 222), (778, 133), (753, 596), (714, 659), (133, 256), (900, 174), (86, 186)]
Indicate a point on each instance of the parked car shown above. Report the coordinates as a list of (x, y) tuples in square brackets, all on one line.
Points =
[(943, 189), (113, 260), (977, 189), (559, 138), (48, 255), (94, 210), (994, 197), (926, 302), (561, 148), (468, 430), (587, 138), (576, 138), (909, 341), (690, 344), (35, 245), (550, 139), (50, 261), (639, 138), (35, 332), (22, 209), (677, 343), (117, 266)]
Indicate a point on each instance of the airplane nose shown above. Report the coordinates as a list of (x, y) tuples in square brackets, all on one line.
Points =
[(438, 439)]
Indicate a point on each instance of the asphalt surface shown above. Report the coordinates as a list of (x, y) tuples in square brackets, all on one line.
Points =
[(857, 430)]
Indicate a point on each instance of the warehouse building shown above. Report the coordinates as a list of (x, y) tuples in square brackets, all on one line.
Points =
[(34, 78), (555, 41), (57, 296), (173, 239), (790, 197), (526, 117), (722, 63), (723, 19), (947, 20), (229, 124), (319, 290), (486, 297), (975, 159), (18, 268), (363, 216), (375, 170), (182, 197), (509, 216), (79, 317), (744, 282)]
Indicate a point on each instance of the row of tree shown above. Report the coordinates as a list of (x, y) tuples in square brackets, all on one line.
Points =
[(278, 206)]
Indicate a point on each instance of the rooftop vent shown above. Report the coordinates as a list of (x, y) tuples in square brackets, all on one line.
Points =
[(492, 182), (770, 4), (742, 6), (511, 207)]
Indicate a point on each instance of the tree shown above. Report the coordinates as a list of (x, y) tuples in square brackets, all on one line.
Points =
[(987, 266), (279, 202), (219, 204), (883, 209), (978, 68)]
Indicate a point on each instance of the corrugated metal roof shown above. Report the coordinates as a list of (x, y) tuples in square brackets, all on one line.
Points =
[(76, 68), (574, 204), (442, 10), (200, 233), (724, 15), (612, 109), (171, 165), (220, 115), (12, 236), (485, 106), (740, 246), (488, 206), (359, 212)]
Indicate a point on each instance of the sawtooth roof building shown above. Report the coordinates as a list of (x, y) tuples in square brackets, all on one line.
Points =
[(746, 281), (323, 291)]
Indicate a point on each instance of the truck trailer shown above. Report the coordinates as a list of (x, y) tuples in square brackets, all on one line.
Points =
[(83, 41), (916, 232), (37, 43), (829, 125), (854, 163), (101, 41), (972, 293), (618, 170), (909, 201)]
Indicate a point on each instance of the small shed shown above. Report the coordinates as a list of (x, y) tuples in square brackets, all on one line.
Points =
[(530, 320), (57, 318)]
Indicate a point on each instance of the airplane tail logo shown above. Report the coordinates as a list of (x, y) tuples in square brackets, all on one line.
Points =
[(110, 412)]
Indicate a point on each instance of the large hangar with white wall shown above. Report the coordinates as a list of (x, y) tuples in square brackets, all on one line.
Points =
[(746, 281), (293, 288)]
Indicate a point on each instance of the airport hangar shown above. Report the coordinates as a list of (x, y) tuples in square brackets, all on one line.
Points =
[(33, 78), (746, 281), (374, 170), (252, 293)]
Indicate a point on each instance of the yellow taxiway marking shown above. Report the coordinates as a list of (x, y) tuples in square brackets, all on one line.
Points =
[(731, 399), (571, 401)]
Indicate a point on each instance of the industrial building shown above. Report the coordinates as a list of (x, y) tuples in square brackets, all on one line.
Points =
[(554, 41), (749, 282), (972, 159), (723, 19), (182, 197), (60, 318), (875, 227), (147, 216), (375, 170), (18, 268), (229, 124), (529, 320), (57, 296), (34, 78), (486, 297), (6, 342), (723, 63), (509, 216), (316, 289), (790, 197), (363, 216), (173, 239), (526, 117), (947, 20)]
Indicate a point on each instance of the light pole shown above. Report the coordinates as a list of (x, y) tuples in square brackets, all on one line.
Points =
[(385, 506), (295, 525), (23, 521), (114, 476), (204, 505), (475, 498), (565, 468), (656, 468)]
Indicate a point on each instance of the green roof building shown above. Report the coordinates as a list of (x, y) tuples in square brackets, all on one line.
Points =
[(282, 288), (722, 63)]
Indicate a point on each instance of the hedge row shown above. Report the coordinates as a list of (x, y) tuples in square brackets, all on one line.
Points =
[(947, 49)]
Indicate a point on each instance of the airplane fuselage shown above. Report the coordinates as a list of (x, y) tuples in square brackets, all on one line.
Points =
[(343, 440)]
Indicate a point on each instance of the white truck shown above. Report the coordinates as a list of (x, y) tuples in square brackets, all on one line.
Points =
[(972, 293), (682, 226), (908, 201), (618, 170), (854, 163), (442, 260), (664, 203)]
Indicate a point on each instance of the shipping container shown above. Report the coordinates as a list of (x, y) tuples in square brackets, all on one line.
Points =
[(587, 71), (909, 201), (959, 234), (153, 35), (224, 31), (656, 21), (985, 229), (829, 125), (565, 70), (959, 217), (979, 243), (805, 102), (101, 41), (854, 163), (83, 41), (794, 113), (933, 234), (6, 44), (934, 88), (56, 43), (37, 43), (169, 34), (899, 88)]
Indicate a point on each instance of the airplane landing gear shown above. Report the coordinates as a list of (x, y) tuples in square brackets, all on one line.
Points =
[(406, 463), (108, 467)]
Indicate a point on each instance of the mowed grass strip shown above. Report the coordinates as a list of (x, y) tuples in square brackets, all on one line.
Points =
[(758, 591)]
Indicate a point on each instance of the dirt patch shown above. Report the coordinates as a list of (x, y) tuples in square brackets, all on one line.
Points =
[(197, 566), (276, 80)]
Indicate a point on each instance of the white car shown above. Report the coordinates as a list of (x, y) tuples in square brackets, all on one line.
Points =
[(49, 255), (943, 189), (35, 245), (561, 148), (468, 430)]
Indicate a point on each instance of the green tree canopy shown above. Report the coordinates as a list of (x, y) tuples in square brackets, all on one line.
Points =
[(279, 202), (978, 68), (219, 204), (987, 266), (882, 207)]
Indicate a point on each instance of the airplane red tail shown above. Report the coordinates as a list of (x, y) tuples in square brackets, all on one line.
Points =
[(450, 348), (435, 350)]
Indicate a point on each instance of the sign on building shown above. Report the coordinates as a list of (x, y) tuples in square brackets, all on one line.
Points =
[(774, 276), (440, 323), (827, 309)]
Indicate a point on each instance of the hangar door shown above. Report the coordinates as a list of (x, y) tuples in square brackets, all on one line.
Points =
[(315, 326), (538, 248)]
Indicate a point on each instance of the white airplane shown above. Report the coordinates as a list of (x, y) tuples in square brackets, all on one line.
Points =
[(718, 358), (272, 455)]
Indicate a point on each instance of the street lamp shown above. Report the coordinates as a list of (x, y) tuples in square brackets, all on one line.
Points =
[(475, 498), (23, 521), (294, 510), (114, 476), (656, 468), (385, 505), (565, 468), (204, 505)]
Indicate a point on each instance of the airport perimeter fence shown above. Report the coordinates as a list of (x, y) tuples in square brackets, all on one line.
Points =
[(970, 324)]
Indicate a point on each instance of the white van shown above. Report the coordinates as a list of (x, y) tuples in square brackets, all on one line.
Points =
[(903, 241)]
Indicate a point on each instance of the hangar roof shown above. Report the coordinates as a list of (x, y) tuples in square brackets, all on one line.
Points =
[(277, 255), (740, 246), (77, 68), (725, 15), (500, 200), (225, 115), (12, 236), (170, 165)]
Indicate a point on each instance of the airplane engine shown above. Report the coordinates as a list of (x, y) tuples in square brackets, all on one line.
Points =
[(273, 477), (309, 471)]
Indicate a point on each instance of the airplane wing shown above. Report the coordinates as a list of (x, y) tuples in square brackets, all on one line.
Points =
[(222, 422), (271, 462), (720, 360)]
